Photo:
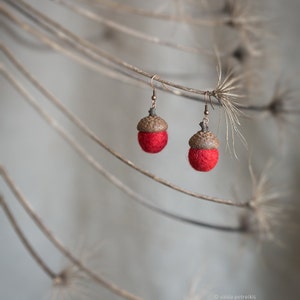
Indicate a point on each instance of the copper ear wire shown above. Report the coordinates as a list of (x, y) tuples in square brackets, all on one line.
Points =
[(153, 104), (205, 120)]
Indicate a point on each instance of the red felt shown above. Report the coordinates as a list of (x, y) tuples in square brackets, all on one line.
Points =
[(203, 159), (153, 142)]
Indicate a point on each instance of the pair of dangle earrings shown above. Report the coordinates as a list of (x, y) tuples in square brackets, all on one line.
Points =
[(203, 154)]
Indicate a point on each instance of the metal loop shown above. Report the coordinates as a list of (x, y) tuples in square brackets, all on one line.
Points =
[(153, 103)]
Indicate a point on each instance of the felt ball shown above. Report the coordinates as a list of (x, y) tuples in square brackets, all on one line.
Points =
[(203, 160), (153, 142)]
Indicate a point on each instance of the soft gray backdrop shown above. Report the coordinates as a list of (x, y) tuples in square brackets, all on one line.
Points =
[(149, 255)]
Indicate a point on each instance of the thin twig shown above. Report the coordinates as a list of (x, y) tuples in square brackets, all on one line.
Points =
[(12, 32), (42, 264), (124, 77), (89, 49), (79, 43), (38, 221), (130, 31), (111, 72), (123, 8), (94, 65), (128, 79), (82, 126), (99, 168)]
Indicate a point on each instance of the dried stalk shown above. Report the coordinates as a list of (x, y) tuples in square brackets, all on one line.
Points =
[(129, 79), (83, 127), (223, 94), (166, 86), (99, 168), (210, 22), (42, 264), (51, 237), (88, 48), (137, 81), (124, 77), (130, 31)]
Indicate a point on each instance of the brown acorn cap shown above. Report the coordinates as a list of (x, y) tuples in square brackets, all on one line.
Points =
[(204, 140), (152, 124)]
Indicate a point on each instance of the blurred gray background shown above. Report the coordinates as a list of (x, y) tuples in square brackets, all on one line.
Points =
[(147, 254)]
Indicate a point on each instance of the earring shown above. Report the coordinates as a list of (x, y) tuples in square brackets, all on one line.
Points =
[(204, 154), (152, 135)]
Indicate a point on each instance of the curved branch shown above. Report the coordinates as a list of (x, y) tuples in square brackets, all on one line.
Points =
[(124, 76), (130, 31), (112, 72), (123, 8), (79, 43), (24, 240), (95, 164), (51, 237), (83, 127)]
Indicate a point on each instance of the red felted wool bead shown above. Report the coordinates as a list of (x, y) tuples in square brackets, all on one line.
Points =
[(203, 154), (152, 135), (203, 159), (153, 142)]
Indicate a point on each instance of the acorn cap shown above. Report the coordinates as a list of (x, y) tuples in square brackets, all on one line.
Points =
[(204, 140), (152, 124)]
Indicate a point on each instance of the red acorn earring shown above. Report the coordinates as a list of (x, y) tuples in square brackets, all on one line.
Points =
[(203, 154), (152, 135)]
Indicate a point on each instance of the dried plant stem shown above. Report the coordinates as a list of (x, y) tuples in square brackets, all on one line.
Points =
[(94, 65), (268, 108), (99, 168), (130, 31), (126, 77), (137, 81), (79, 43), (13, 32), (25, 241), (38, 221), (93, 53), (82, 126), (123, 8), (93, 62), (218, 19)]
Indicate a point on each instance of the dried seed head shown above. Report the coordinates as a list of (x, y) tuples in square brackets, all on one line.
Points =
[(283, 100), (267, 212), (240, 54), (204, 140), (152, 124), (227, 93), (70, 282), (64, 278)]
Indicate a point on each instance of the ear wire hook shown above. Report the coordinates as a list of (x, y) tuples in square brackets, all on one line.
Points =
[(154, 91), (204, 123), (152, 110)]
